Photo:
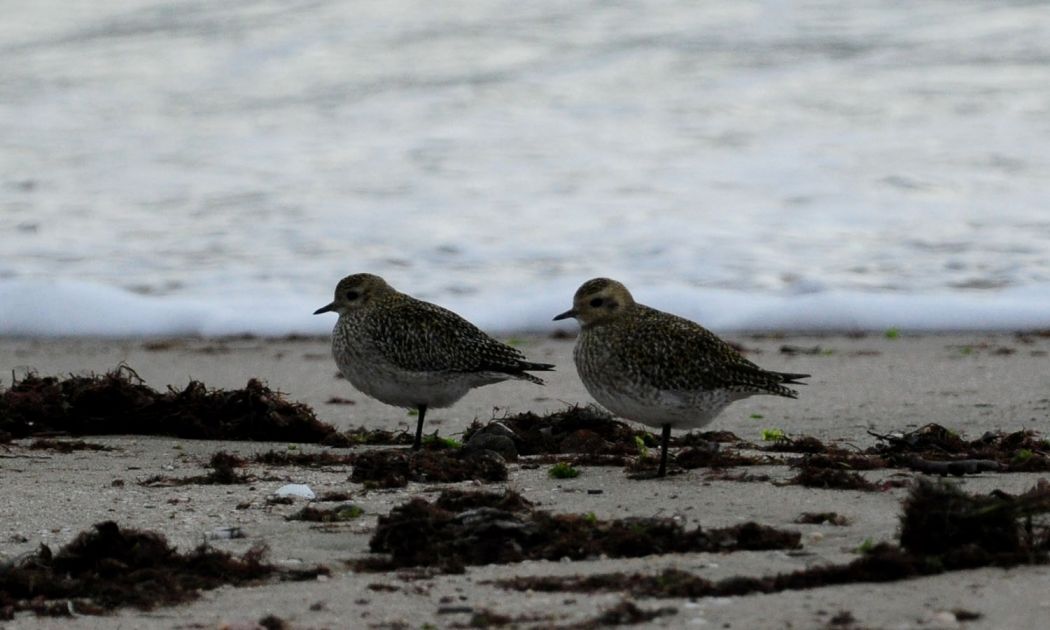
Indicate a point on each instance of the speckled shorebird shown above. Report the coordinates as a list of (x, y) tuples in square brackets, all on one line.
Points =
[(410, 353), (660, 369)]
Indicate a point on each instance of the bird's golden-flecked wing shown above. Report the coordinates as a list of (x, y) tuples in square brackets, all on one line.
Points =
[(675, 354), (419, 336)]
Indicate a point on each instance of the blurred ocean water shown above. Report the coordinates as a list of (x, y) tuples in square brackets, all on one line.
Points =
[(215, 167)]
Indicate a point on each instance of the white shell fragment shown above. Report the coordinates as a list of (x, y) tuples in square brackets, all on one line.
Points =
[(300, 490), (226, 533)]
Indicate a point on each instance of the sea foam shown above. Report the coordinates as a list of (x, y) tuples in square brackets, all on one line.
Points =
[(63, 309)]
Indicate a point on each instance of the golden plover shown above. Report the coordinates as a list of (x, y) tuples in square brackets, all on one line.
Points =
[(659, 369), (410, 353)]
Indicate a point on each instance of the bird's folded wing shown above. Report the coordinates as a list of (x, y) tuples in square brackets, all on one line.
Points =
[(673, 353), (423, 337)]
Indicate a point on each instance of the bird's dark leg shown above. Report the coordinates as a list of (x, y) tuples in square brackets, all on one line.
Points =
[(663, 451), (422, 409)]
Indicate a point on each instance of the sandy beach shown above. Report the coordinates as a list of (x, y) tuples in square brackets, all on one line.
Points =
[(971, 383)]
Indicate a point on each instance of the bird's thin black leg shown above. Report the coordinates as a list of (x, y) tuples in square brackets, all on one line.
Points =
[(422, 409), (663, 451)]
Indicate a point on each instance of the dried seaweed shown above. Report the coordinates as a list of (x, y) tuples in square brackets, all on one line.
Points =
[(486, 530), (587, 430), (395, 468), (66, 446), (1018, 451), (223, 472), (109, 567), (298, 458), (119, 402), (942, 529)]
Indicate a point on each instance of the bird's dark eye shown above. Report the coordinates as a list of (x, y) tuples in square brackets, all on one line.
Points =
[(597, 302), (352, 295)]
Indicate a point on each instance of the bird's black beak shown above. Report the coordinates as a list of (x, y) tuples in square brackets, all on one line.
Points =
[(566, 315), (325, 309)]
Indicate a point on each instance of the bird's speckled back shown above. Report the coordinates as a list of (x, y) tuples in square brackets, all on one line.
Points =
[(646, 348), (418, 336)]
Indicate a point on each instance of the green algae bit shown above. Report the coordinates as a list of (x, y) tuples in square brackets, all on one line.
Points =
[(563, 470)]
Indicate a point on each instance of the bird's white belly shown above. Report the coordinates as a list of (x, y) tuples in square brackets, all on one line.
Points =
[(403, 388), (681, 410)]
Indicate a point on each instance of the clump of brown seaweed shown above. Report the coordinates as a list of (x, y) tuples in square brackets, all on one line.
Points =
[(120, 403), (463, 529), (942, 529), (109, 567), (394, 468)]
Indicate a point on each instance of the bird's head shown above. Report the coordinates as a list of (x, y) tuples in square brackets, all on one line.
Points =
[(356, 292), (599, 301)]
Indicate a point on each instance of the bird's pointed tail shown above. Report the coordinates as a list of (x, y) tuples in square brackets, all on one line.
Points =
[(536, 367)]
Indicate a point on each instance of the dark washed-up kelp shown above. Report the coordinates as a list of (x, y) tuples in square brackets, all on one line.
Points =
[(494, 528), (942, 529), (109, 567)]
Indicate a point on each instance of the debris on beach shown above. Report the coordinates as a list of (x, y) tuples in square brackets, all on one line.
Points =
[(800, 444), (954, 467), (590, 436), (822, 518), (563, 470), (66, 446), (706, 438), (362, 436), (119, 402), (486, 618), (794, 350), (494, 436), (940, 519), (494, 528), (223, 472), (306, 460), (721, 474), (831, 479), (334, 495), (838, 473), (701, 453), (931, 449), (939, 450), (942, 529), (586, 430), (930, 437), (337, 514), (395, 468), (295, 491), (227, 532), (626, 613), (269, 622), (109, 567), (456, 500), (841, 460), (700, 457)]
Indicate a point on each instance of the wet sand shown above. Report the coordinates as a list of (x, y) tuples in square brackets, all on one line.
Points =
[(968, 382)]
